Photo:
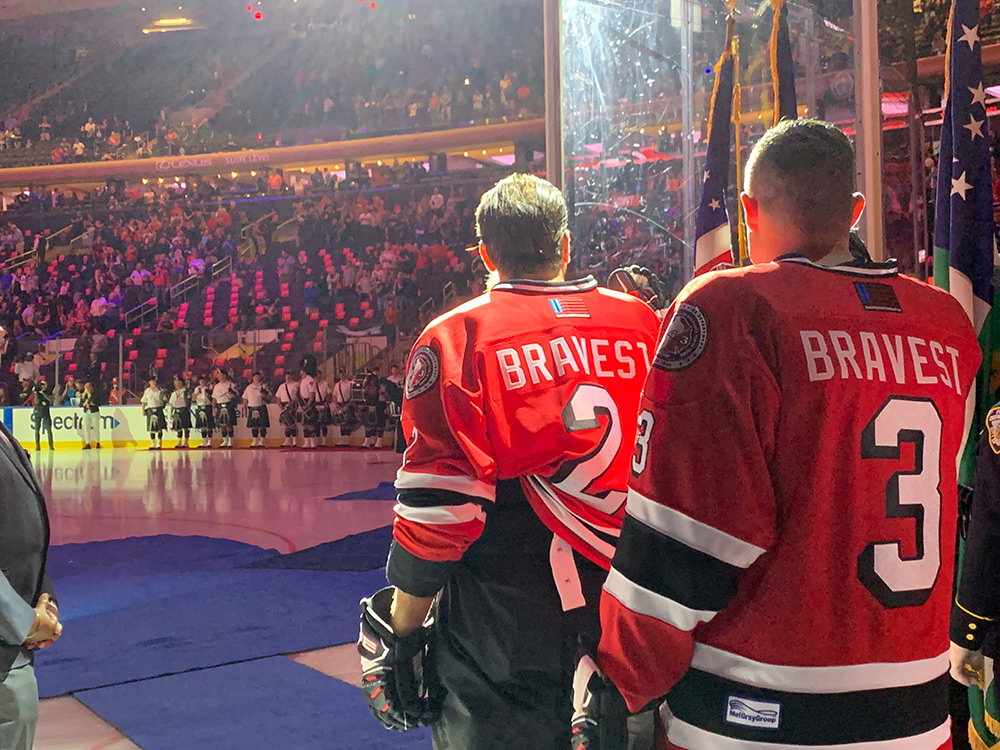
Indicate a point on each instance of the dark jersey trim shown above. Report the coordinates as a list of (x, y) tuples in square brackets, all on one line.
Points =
[(703, 700), (856, 267), (414, 575), (670, 568), (431, 498), (530, 286)]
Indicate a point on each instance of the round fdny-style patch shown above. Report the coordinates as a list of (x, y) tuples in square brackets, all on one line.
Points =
[(684, 340), (993, 428), (424, 372)]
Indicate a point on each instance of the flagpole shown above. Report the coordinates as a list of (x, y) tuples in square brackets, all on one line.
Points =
[(552, 32), (687, 140), (868, 123)]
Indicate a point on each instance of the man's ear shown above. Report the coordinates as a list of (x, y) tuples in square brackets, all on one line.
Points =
[(565, 248), (858, 204), (751, 211), (487, 261)]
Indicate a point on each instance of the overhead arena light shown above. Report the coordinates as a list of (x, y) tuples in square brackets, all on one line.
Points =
[(172, 24)]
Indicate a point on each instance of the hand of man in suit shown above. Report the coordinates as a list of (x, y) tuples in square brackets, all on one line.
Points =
[(46, 629)]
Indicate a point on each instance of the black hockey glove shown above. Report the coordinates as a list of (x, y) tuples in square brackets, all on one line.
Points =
[(642, 283), (397, 674), (599, 712)]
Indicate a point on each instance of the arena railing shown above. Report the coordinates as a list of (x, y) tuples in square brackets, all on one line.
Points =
[(19, 261), (138, 315)]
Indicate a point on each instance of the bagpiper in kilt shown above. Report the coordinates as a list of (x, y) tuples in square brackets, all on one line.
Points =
[(288, 396), (256, 397), (180, 412), (224, 395), (153, 401), (308, 394), (204, 413)]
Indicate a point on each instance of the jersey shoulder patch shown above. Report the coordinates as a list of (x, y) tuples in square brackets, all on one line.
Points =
[(993, 428), (684, 340), (425, 369)]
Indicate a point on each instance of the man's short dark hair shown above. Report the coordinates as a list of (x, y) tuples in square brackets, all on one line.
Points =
[(803, 171), (522, 220)]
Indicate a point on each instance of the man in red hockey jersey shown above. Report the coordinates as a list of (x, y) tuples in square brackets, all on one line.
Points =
[(784, 570), (520, 412)]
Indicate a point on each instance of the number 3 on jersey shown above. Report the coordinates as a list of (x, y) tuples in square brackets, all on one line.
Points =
[(892, 579), (641, 455)]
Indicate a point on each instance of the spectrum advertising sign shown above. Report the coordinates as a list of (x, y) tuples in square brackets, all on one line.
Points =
[(121, 426)]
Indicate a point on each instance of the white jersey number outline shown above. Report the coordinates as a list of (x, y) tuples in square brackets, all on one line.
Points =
[(892, 579)]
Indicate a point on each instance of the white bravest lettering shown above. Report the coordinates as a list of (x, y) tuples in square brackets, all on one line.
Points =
[(510, 367), (816, 352)]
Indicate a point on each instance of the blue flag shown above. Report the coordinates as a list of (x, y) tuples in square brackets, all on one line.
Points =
[(963, 220), (713, 236)]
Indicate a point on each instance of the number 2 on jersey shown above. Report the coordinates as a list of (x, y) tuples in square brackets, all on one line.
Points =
[(582, 412), (892, 579)]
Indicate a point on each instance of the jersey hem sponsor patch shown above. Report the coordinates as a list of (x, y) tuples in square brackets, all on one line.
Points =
[(751, 713)]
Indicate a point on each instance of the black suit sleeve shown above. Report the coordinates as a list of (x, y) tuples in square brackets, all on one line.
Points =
[(977, 602), (48, 588)]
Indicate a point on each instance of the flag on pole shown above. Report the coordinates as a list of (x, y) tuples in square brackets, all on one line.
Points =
[(713, 235), (963, 222), (964, 233), (786, 106)]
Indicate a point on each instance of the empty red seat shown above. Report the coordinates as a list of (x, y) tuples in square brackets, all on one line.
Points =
[(247, 374), (68, 356), (208, 322), (279, 359), (369, 313), (289, 337), (354, 321), (314, 316), (339, 307), (133, 354), (294, 325), (324, 323), (136, 331), (104, 366), (259, 309), (286, 347), (110, 334), (158, 363), (220, 362), (161, 353), (318, 346), (364, 305), (72, 367), (279, 372), (341, 315)]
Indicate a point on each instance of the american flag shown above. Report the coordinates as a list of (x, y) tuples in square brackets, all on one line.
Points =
[(963, 222), (713, 236), (569, 307)]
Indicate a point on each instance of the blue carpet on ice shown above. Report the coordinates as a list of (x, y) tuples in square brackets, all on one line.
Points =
[(365, 551), (384, 491), (267, 704), (144, 607)]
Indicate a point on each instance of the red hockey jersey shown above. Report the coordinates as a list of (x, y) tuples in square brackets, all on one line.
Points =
[(536, 381), (785, 566)]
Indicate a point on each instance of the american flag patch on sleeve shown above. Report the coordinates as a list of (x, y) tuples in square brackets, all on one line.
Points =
[(569, 307)]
